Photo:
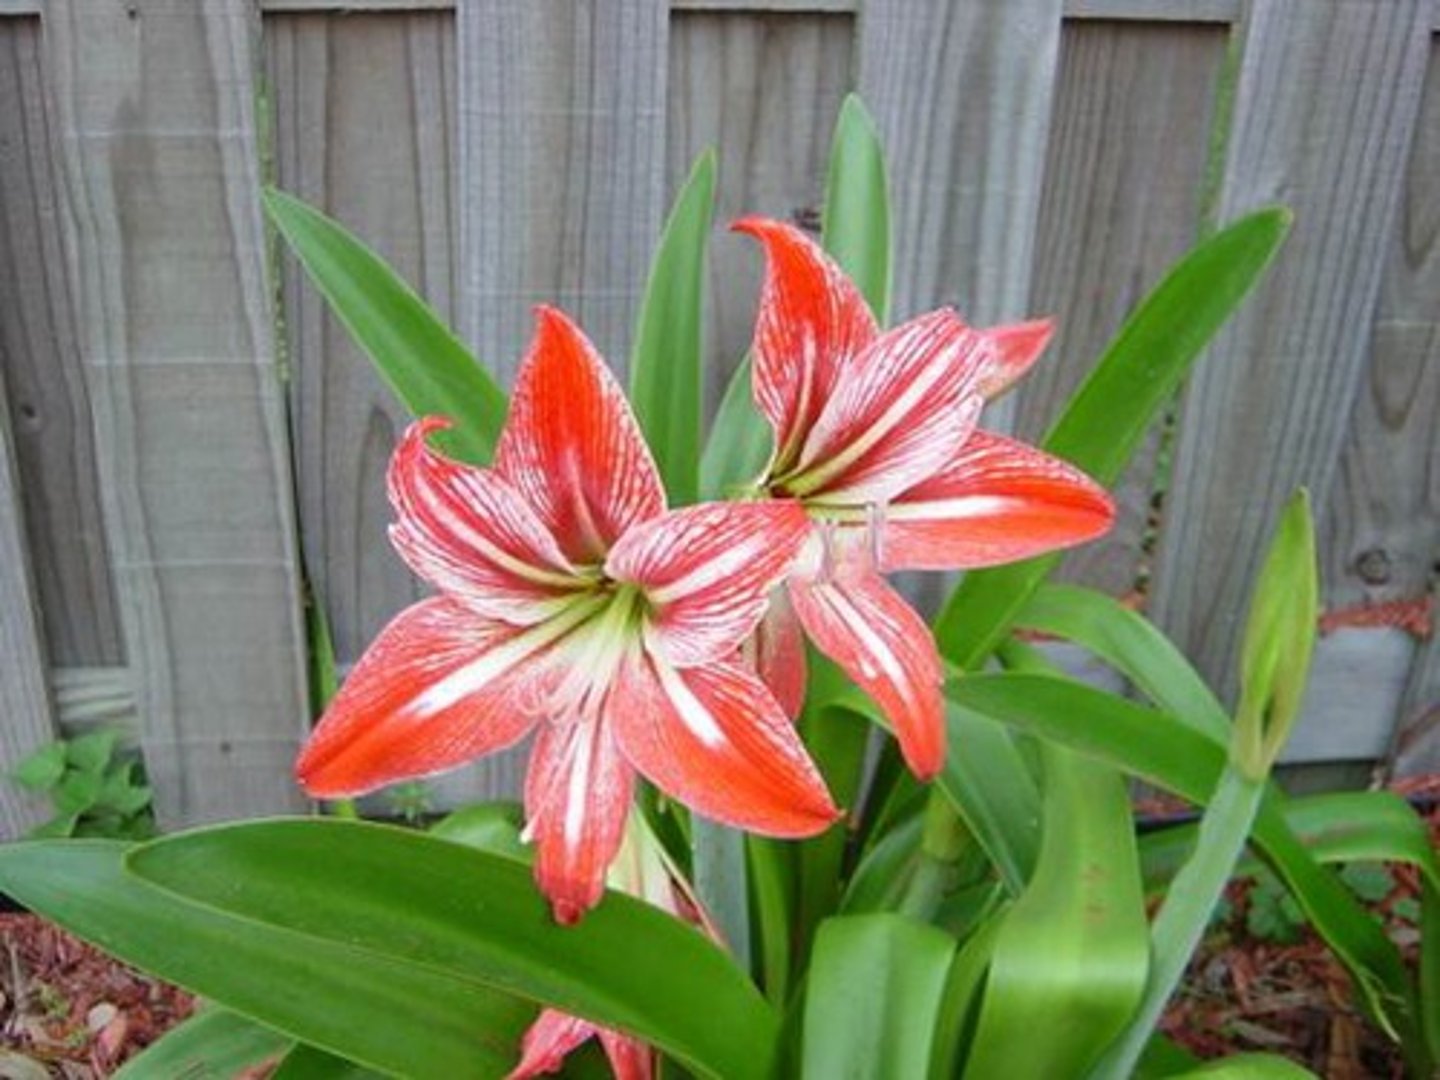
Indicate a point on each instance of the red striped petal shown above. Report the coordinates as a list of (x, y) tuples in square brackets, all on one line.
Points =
[(897, 414), (715, 739), (630, 1059), (1017, 347), (548, 1041), (439, 687), (776, 650), (571, 446), (706, 571), (996, 501), (867, 628), (467, 531), (811, 324), (577, 797)]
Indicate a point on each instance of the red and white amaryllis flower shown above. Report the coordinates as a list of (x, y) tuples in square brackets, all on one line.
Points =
[(572, 601), (875, 434), (642, 870)]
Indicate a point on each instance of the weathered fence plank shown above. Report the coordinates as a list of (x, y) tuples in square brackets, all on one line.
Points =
[(764, 91), (337, 81), (24, 676), (155, 107), (1121, 202), (41, 365), (562, 157), (961, 94), (1325, 107)]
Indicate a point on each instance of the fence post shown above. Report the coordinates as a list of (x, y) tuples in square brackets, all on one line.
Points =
[(156, 106)]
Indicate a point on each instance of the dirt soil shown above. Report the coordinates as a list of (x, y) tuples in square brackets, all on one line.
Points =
[(68, 1011)]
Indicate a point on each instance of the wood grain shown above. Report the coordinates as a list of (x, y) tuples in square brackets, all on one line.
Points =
[(1326, 104), (961, 94), (562, 156), (1121, 202), (155, 108), (24, 676), (364, 129), (764, 91), (40, 363)]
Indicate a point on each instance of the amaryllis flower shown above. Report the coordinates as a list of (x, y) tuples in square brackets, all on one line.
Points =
[(875, 433), (642, 870), (572, 602)]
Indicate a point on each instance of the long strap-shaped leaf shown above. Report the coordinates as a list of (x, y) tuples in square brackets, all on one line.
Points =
[(390, 1013), (1109, 414), (1069, 961), (425, 364), (215, 1042), (667, 366), (477, 917), (1165, 752), (873, 996)]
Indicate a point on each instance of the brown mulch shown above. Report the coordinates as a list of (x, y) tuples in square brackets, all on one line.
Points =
[(77, 1015), (69, 1009)]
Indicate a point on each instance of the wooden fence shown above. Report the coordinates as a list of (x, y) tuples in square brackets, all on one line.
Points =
[(187, 443)]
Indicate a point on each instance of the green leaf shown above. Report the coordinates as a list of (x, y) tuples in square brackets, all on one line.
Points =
[(1249, 1067), (1107, 418), (740, 442), (494, 827), (397, 894), (1169, 754), (855, 223), (718, 857), (667, 368), (873, 997), (1070, 960), (310, 1063), (416, 354), (214, 1043), (57, 828), (121, 793), (395, 1015), (1132, 645), (1369, 881), (92, 752), (78, 792), (41, 770), (771, 871), (960, 1003)]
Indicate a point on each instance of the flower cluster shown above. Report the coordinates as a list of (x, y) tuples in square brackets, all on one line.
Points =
[(633, 638)]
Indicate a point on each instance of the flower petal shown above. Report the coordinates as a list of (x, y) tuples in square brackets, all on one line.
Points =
[(776, 652), (897, 414), (548, 1041), (706, 571), (1017, 347), (571, 446), (867, 628), (630, 1059), (996, 501), (716, 740), (577, 797), (812, 323), (439, 687), (467, 531)]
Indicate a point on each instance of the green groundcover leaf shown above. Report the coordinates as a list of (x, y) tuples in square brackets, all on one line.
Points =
[(873, 996), (393, 1015), (476, 917), (415, 352)]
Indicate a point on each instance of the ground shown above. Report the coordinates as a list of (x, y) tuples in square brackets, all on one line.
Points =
[(68, 1011)]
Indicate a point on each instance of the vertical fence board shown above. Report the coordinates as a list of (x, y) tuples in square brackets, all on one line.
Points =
[(1123, 185), (562, 156), (961, 92), (764, 91), (1325, 106), (43, 371), (155, 105), (363, 129), (561, 114), (24, 691)]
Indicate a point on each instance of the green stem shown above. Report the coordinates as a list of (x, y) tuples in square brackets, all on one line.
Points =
[(943, 840), (719, 860)]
